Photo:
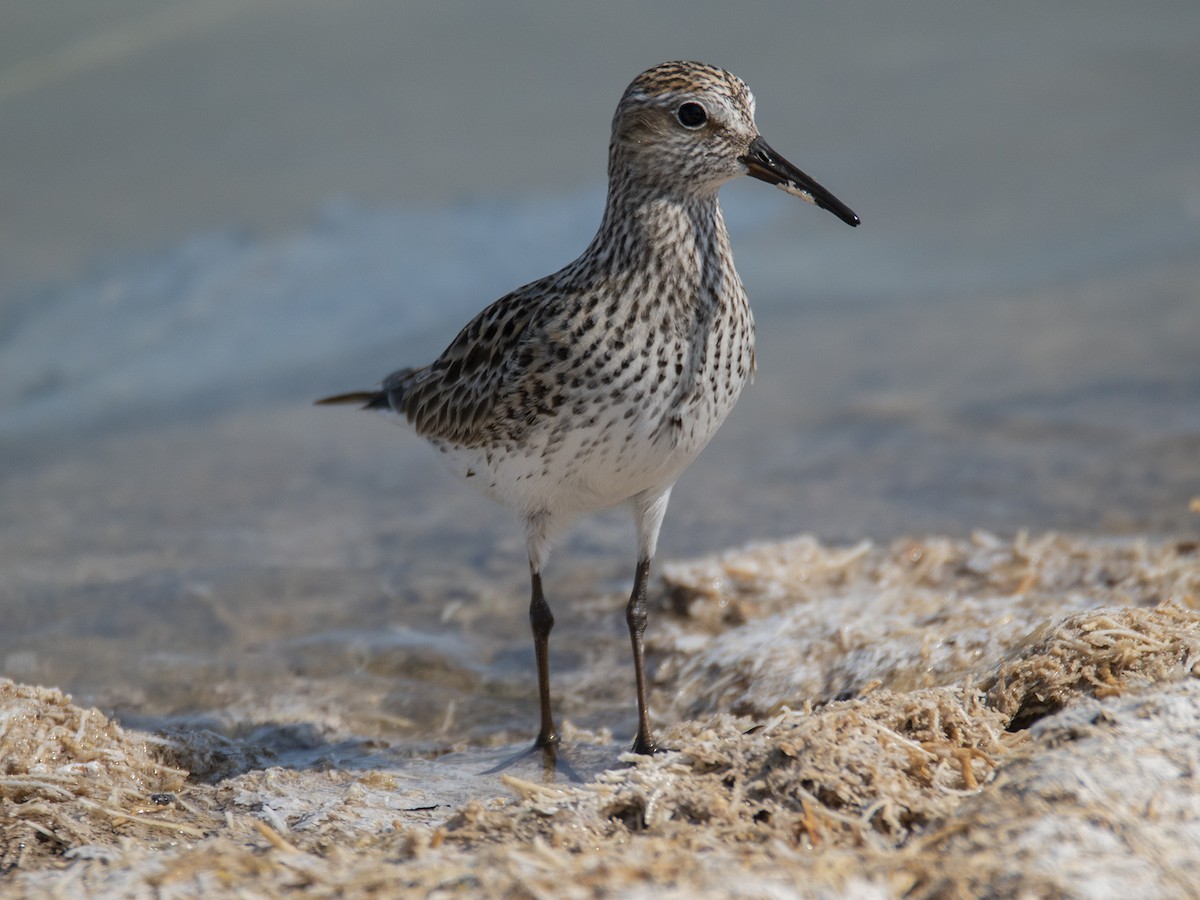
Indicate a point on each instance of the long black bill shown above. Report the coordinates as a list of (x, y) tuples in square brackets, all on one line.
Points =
[(765, 164)]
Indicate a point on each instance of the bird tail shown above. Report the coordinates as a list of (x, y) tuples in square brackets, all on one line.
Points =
[(366, 400)]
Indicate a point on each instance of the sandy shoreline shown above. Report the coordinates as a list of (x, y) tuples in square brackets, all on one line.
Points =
[(932, 718)]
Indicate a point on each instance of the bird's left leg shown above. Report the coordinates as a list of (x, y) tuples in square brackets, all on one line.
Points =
[(542, 620), (649, 509)]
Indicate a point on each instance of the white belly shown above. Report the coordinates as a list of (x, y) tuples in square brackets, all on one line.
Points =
[(574, 470)]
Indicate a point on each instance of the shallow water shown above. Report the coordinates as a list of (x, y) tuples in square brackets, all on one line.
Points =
[(1009, 341)]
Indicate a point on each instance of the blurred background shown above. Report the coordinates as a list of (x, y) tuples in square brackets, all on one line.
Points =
[(213, 211)]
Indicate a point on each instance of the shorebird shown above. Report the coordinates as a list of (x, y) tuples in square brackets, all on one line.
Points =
[(597, 385)]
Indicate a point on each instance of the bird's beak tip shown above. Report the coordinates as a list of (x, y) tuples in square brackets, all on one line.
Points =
[(765, 164)]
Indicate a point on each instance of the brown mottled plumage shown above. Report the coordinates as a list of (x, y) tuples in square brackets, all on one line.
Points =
[(599, 384)]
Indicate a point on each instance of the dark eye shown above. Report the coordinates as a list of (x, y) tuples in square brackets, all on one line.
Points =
[(691, 115)]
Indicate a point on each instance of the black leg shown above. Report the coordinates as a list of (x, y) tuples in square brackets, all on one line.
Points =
[(635, 615), (541, 620)]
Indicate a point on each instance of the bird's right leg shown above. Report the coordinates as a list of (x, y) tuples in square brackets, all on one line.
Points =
[(542, 620)]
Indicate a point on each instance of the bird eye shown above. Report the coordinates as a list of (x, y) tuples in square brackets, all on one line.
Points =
[(691, 115)]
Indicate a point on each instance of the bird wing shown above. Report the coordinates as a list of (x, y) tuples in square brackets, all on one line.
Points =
[(457, 398)]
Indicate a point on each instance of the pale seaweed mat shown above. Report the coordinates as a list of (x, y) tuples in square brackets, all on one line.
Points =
[(937, 718)]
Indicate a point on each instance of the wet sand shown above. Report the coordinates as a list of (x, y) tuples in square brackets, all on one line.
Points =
[(1021, 719)]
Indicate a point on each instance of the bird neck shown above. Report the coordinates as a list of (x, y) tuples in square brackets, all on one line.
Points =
[(683, 233)]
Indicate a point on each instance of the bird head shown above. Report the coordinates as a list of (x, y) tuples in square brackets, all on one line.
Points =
[(688, 127)]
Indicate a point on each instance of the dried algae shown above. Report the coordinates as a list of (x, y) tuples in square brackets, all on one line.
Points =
[(70, 778), (934, 719)]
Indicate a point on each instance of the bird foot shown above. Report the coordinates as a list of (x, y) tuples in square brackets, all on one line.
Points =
[(648, 746)]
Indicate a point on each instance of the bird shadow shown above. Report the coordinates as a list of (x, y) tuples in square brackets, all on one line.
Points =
[(212, 753), (551, 757)]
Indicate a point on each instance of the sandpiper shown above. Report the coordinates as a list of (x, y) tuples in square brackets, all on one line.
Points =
[(598, 385)]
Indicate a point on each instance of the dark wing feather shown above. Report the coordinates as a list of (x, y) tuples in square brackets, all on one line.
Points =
[(454, 399)]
